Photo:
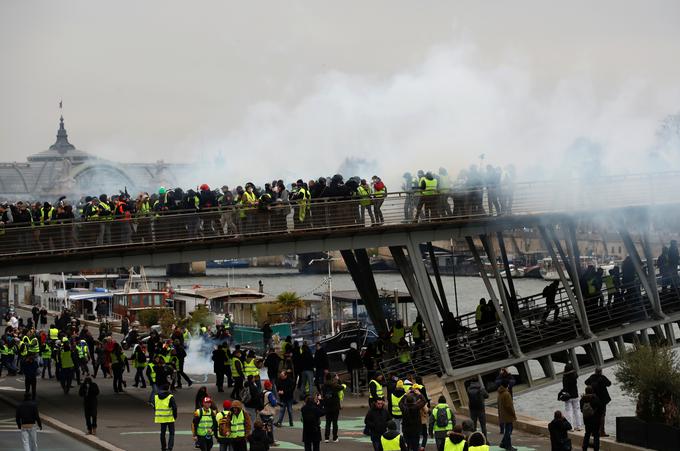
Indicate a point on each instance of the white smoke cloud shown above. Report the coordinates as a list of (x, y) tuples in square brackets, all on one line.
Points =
[(445, 111)]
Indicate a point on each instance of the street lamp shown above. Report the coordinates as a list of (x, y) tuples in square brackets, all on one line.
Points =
[(328, 259)]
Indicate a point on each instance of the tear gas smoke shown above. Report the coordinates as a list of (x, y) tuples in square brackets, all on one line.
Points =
[(446, 111)]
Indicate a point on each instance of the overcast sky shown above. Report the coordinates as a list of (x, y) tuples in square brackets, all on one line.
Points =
[(291, 87)]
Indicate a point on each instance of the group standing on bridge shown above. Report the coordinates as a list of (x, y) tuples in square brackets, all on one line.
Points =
[(171, 214)]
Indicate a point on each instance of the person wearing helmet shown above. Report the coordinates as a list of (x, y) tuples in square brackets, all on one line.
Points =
[(204, 425)]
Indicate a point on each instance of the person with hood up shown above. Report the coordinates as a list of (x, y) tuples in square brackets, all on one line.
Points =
[(506, 415), (454, 440), (476, 396), (477, 442), (391, 440), (89, 391), (204, 425), (592, 410), (331, 401), (165, 409), (239, 424), (258, 440), (376, 421), (411, 424), (559, 429), (311, 414)]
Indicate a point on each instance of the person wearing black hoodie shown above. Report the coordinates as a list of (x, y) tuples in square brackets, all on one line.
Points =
[(331, 401), (376, 421), (391, 440), (89, 391), (311, 414), (476, 396), (165, 414), (411, 424), (559, 429)]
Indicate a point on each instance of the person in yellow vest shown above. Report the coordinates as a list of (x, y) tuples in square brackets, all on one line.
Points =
[(392, 440), (66, 367), (165, 414), (239, 427), (441, 422), (223, 431), (54, 332), (398, 332), (454, 440), (375, 389), (393, 403), (46, 356), (365, 202), (204, 425), (477, 442), (302, 197), (427, 204)]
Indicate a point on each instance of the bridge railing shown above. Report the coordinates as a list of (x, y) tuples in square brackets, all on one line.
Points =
[(332, 214)]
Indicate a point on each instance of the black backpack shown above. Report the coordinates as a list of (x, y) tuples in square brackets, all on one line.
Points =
[(442, 419)]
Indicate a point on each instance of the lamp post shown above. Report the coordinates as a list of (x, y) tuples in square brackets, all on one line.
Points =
[(328, 259)]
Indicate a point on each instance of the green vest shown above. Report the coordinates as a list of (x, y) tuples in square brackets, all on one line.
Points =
[(205, 423), (46, 352), (449, 415), (238, 426), (49, 215), (397, 334), (5, 350), (405, 355), (144, 209), (479, 448), (54, 333), (450, 446), (163, 411), (391, 444), (152, 372), (396, 410), (378, 388), (82, 351), (415, 329), (430, 187), (234, 369), (34, 346), (66, 359), (107, 209)]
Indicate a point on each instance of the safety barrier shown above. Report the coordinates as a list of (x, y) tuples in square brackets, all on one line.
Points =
[(334, 214)]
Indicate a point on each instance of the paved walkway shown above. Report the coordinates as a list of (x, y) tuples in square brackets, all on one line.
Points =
[(126, 421)]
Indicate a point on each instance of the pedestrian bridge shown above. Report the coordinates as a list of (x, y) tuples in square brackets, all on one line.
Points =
[(329, 224)]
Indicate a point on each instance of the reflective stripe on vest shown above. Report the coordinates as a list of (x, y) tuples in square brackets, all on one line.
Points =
[(82, 351), (152, 372), (378, 388), (204, 427), (163, 411), (396, 411), (34, 346), (238, 427), (391, 444), (450, 446)]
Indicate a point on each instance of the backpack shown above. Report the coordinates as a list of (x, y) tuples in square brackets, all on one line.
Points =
[(245, 395), (223, 425), (442, 419), (379, 185), (587, 410)]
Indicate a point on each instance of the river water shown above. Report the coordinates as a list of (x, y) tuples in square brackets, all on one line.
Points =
[(539, 403)]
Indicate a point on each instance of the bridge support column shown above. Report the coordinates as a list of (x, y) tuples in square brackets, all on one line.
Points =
[(651, 275), (582, 318), (622, 345), (574, 272), (547, 366), (416, 280), (644, 337), (508, 326), (574, 360), (670, 334), (644, 276), (359, 267)]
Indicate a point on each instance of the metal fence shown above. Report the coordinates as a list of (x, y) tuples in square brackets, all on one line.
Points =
[(396, 209)]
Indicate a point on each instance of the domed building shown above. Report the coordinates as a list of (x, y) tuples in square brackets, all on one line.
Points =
[(64, 170)]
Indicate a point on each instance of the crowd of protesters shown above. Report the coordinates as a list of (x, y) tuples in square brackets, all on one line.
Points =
[(108, 219)]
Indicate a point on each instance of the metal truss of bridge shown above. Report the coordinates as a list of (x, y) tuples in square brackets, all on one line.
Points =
[(584, 332)]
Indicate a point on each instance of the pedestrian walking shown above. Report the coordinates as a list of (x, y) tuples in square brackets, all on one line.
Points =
[(89, 391), (559, 429), (311, 414), (285, 386), (139, 363), (455, 440), (569, 394), (239, 426), (376, 421), (442, 421), (30, 367), (223, 431), (506, 415), (259, 440), (204, 425), (476, 396), (592, 410), (331, 402), (393, 403), (27, 417), (600, 382), (269, 406), (119, 363), (411, 423), (66, 367), (391, 440), (165, 414)]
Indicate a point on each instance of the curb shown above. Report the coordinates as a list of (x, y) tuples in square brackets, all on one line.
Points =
[(90, 440), (540, 427)]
